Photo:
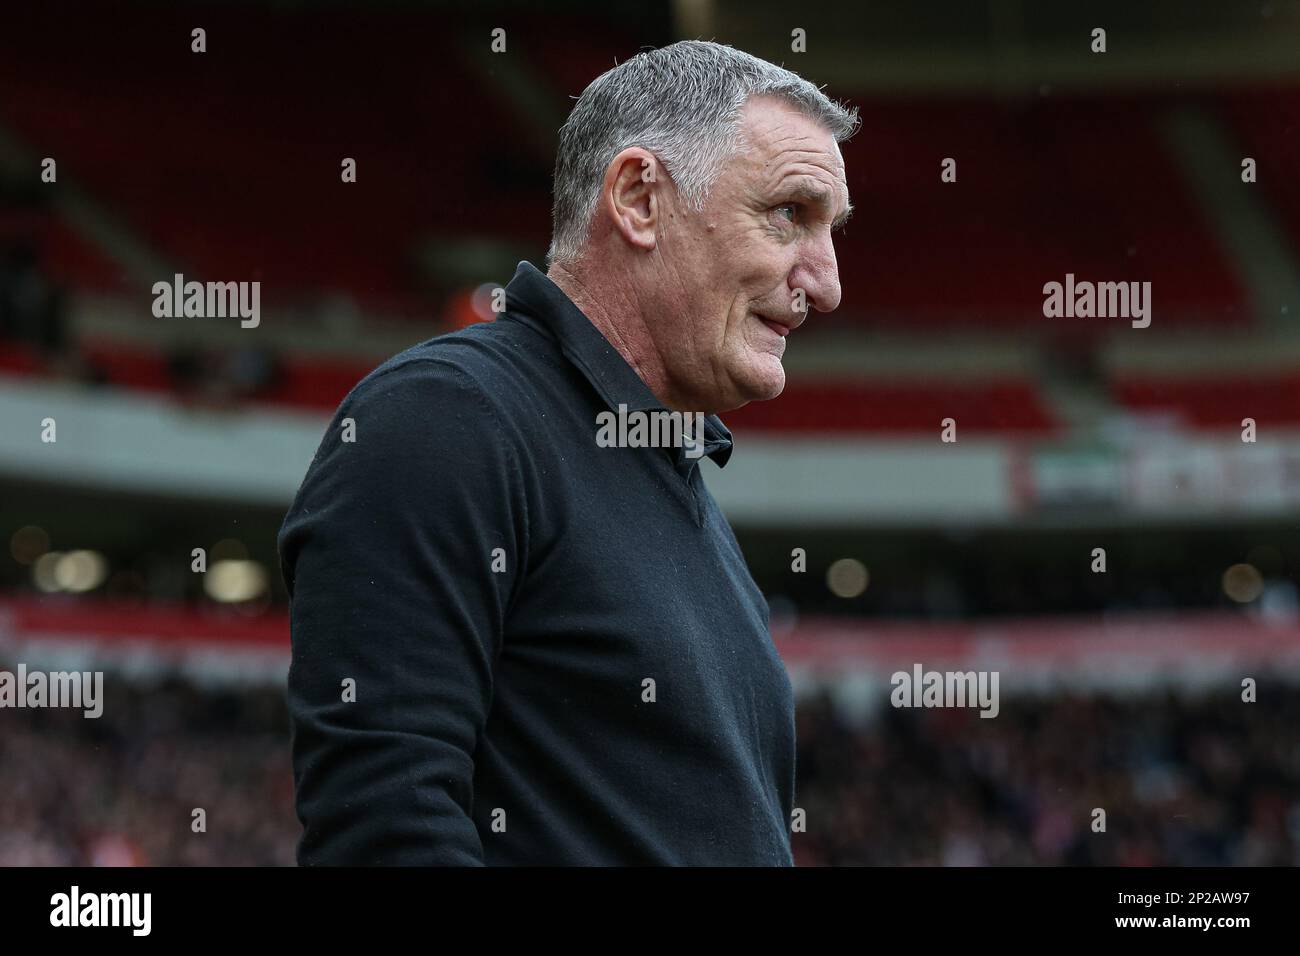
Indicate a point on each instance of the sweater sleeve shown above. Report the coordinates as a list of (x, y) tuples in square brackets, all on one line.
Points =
[(398, 590)]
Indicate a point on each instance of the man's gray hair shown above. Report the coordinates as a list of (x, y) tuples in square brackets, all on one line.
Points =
[(682, 103)]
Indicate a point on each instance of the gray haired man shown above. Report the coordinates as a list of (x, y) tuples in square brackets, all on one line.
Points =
[(551, 650)]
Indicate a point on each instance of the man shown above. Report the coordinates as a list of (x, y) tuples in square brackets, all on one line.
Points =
[(512, 645)]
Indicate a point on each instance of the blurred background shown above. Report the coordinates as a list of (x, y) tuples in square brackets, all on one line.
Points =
[(1120, 689)]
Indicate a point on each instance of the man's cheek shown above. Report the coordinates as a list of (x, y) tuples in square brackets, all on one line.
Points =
[(739, 327)]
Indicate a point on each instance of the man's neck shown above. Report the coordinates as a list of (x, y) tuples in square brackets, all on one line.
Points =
[(620, 319)]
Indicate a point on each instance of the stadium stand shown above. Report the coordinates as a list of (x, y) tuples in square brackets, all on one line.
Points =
[(981, 547)]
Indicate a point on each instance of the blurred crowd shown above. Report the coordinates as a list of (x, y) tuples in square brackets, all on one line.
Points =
[(35, 316), (1183, 780), (122, 789), (33, 308)]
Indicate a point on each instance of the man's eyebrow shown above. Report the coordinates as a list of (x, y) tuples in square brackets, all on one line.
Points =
[(816, 193), (843, 217)]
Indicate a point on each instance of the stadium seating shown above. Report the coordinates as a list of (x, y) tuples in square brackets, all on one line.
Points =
[(822, 408), (1257, 116), (1220, 401), (1054, 185), (1081, 186)]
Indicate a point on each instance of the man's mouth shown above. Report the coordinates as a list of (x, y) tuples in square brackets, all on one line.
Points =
[(781, 330)]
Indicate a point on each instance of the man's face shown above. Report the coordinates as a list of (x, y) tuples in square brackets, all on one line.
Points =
[(733, 271)]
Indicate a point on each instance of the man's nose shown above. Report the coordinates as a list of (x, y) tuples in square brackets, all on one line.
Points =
[(818, 274)]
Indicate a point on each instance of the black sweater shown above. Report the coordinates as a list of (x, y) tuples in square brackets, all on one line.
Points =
[(513, 646)]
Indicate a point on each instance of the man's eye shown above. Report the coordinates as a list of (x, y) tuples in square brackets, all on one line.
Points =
[(793, 210)]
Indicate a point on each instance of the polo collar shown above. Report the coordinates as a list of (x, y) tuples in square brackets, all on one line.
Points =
[(532, 294)]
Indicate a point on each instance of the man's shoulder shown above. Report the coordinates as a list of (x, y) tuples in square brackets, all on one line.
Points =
[(491, 360), (451, 399)]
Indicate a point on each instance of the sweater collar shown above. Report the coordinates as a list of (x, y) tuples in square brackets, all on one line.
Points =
[(532, 294)]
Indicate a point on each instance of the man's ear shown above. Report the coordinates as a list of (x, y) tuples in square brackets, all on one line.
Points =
[(630, 196)]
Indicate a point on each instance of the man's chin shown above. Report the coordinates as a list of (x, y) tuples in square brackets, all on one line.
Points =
[(759, 380), (766, 382)]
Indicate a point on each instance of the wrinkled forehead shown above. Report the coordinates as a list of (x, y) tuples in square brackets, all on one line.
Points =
[(775, 134), (780, 143), (772, 124)]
